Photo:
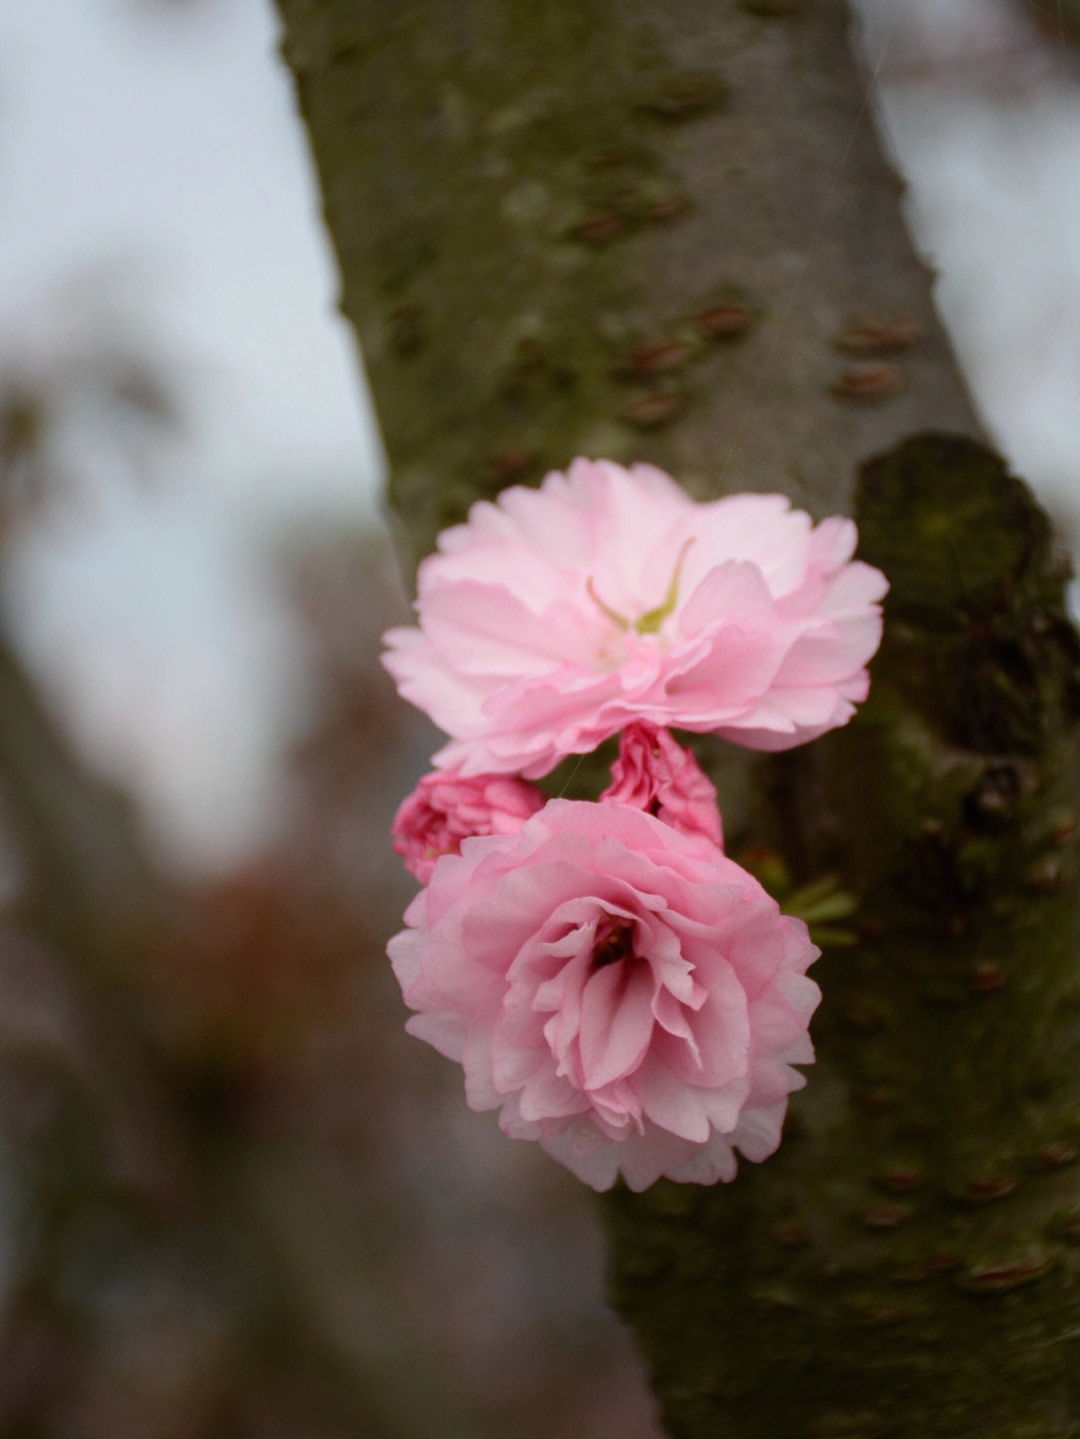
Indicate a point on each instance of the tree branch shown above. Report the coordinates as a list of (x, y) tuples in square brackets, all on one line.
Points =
[(666, 232), (616, 228)]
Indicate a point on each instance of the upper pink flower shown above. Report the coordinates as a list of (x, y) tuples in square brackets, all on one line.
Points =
[(444, 809), (620, 991), (555, 616), (654, 773)]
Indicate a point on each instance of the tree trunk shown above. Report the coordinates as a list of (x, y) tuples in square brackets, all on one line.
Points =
[(665, 232)]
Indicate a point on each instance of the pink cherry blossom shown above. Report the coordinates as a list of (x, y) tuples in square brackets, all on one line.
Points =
[(444, 809), (555, 616), (620, 991), (654, 773)]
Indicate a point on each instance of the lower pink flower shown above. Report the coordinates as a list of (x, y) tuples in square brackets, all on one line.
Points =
[(445, 808), (654, 773), (618, 990)]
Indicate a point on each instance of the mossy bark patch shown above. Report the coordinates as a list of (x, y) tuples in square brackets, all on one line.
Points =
[(904, 1263)]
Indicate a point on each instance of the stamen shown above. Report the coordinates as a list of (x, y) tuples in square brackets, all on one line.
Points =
[(615, 946), (613, 615), (650, 622), (652, 619)]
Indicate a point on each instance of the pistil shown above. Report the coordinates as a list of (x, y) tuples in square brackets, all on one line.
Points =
[(616, 945)]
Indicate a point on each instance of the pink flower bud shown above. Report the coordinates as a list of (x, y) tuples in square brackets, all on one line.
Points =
[(444, 809), (655, 774)]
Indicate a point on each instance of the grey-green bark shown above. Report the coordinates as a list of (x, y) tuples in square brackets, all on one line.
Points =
[(666, 232), (546, 214)]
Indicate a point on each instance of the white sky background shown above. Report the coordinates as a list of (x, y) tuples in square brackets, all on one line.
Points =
[(156, 141), (984, 113)]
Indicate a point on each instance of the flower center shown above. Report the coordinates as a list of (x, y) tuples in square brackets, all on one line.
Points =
[(649, 623), (616, 945)]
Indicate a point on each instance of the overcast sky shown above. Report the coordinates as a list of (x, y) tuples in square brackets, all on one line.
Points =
[(151, 162)]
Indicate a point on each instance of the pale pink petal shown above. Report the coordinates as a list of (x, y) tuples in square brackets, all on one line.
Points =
[(759, 1130), (616, 1022), (673, 1105)]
